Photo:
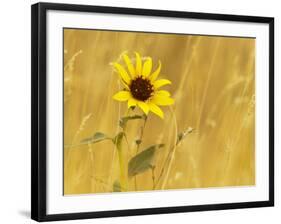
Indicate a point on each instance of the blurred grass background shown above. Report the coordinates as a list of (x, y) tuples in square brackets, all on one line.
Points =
[(213, 84)]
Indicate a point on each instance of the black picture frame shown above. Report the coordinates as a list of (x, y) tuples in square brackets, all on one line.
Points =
[(39, 107)]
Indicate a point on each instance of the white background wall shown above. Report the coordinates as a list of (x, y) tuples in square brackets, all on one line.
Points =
[(15, 110)]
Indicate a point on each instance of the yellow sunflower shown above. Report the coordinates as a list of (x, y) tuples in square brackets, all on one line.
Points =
[(142, 86)]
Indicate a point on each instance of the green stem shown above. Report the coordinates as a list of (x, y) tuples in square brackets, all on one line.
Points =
[(138, 148), (141, 135), (123, 166), (153, 177)]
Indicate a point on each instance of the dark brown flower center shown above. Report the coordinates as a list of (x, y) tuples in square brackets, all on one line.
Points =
[(141, 88)]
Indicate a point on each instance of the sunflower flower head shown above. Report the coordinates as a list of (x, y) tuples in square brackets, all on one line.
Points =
[(141, 86)]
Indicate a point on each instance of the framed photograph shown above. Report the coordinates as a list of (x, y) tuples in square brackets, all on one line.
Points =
[(139, 111)]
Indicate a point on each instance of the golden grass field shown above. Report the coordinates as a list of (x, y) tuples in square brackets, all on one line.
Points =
[(213, 84)]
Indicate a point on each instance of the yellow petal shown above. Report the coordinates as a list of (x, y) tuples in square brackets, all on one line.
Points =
[(125, 85), (138, 64), (143, 106), (122, 72), (155, 74), (155, 109), (161, 82), (147, 66), (162, 100), (129, 65), (122, 96), (162, 93), (132, 102)]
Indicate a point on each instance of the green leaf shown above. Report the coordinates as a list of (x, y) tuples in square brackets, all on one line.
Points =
[(142, 161), (118, 140), (123, 121), (116, 186), (183, 134), (97, 137)]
